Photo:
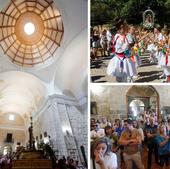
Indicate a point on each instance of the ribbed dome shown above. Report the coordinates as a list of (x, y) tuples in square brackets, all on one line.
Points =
[(28, 46)]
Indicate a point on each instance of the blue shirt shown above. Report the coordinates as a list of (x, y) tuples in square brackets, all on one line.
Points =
[(162, 149), (119, 130)]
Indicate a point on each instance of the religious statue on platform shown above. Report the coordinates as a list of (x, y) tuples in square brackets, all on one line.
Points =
[(31, 138), (148, 19)]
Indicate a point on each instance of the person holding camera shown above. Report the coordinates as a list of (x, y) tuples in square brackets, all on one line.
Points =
[(131, 140)]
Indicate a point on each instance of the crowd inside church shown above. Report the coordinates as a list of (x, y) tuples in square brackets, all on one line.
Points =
[(120, 144), (45, 143), (63, 163)]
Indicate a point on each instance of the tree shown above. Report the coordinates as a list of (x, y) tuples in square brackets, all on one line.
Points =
[(105, 11)]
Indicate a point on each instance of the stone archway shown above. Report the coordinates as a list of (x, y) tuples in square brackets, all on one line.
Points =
[(136, 95)]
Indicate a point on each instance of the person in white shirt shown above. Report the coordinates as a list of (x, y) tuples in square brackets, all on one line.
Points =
[(103, 41), (97, 132), (109, 40), (104, 123), (133, 43), (36, 143), (101, 155), (153, 45), (46, 138), (159, 38), (121, 66), (164, 56)]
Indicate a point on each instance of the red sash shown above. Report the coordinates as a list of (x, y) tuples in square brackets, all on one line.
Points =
[(120, 55), (168, 78), (166, 58)]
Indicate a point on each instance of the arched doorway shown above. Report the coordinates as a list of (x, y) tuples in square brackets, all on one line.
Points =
[(139, 98), (136, 106)]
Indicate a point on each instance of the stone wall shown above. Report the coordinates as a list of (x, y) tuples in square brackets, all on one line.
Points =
[(111, 100), (102, 100), (164, 95), (65, 121), (78, 121), (118, 103)]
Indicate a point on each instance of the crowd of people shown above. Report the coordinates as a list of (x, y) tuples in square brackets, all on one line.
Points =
[(5, 162), (122, 143), (68, 163), (126, 46), (62, 163), (45, 144)]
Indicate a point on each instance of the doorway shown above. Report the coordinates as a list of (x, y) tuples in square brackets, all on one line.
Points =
[(140, 98)]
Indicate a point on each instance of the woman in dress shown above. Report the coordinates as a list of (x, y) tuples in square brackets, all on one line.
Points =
[(164, 61), (121, 65), (131, 36), (103, 41), (95, 39), (112, 135)]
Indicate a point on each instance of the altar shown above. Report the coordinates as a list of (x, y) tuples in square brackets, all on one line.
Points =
[(32, 158)]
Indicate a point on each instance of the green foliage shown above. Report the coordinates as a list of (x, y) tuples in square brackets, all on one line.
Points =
[(99, 14), (105, 11), (167, 3)]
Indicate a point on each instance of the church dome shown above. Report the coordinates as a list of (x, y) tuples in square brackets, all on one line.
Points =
[(30, 31)]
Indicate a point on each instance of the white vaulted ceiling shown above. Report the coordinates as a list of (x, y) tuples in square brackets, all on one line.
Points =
[(20, 93)]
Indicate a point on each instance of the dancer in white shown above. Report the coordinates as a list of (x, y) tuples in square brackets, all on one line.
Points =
[(153, 46), (121, 65), (133, 44), (165, 62)]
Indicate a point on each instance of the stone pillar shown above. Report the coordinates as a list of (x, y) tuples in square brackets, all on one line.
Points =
[(58, 141), (78, 122), (63, 119)]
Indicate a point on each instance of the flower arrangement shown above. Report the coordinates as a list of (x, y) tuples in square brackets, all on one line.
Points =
[(148, 25)]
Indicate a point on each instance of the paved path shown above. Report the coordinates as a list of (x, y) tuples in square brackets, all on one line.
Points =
[(147, 72)]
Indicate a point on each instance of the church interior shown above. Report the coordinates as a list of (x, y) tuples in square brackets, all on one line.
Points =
[(43, 44), (112, 105)]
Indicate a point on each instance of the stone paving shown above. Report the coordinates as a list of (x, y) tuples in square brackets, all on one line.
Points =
[(147, 72)]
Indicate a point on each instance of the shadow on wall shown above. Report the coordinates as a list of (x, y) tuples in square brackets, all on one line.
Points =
[(68, 93)]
